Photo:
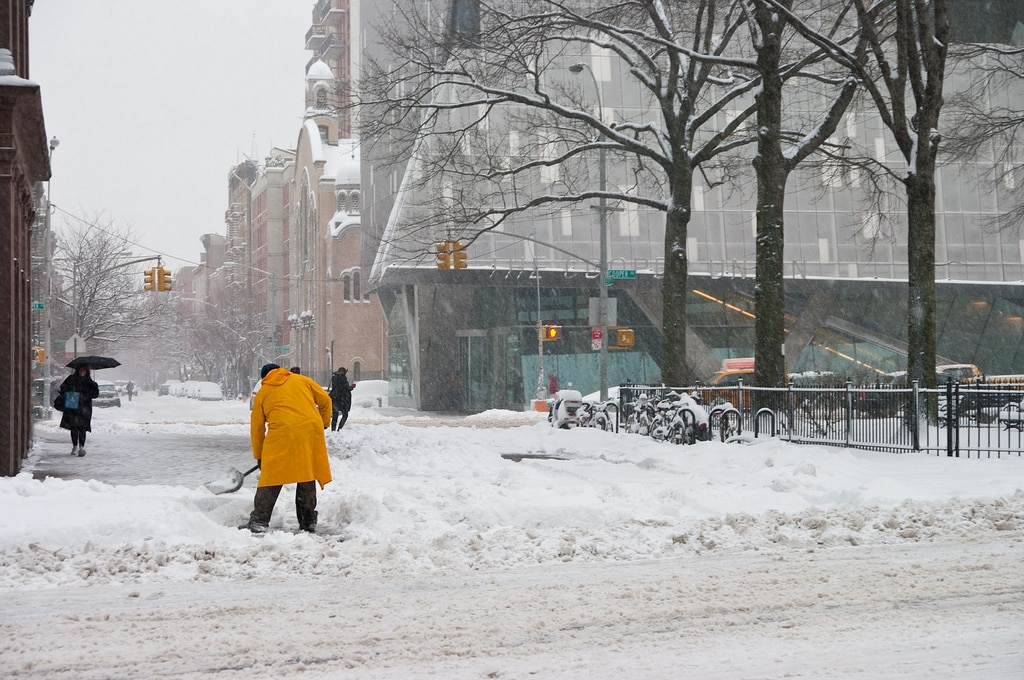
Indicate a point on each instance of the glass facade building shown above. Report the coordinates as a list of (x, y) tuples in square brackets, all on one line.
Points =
[(468, 340)]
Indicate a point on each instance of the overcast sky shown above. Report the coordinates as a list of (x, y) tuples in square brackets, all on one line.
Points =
[(154, 103)]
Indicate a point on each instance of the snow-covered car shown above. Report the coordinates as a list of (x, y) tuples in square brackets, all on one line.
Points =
[(205, 391), (108, 395), (252, 393), (165, 388)]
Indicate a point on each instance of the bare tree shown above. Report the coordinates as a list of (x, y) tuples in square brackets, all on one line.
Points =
[(485, 107), (982, 122), (908, 41), (445, 99), (100, 284), (219, 343), (782, 146)]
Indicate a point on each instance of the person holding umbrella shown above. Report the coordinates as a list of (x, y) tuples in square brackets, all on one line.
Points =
[(75, 400)]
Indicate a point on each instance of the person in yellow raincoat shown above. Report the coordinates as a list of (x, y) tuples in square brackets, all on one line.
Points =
[(289, 415)]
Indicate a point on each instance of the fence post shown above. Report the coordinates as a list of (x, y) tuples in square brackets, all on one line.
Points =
[(915, 416), (849, 410), (952, 419), (790, 410)]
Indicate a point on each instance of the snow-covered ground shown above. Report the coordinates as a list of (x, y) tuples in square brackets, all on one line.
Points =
[(494, 546)]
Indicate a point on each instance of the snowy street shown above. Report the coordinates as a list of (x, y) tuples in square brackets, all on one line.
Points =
[(611, 556)]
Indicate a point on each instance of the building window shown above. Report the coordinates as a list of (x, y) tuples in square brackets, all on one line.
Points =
[(987, 21), (355, 286), (346, 288), (464, 21), (321, 98), (353, 203)]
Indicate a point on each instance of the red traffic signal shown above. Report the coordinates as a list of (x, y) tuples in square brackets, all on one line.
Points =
[(549, 333)]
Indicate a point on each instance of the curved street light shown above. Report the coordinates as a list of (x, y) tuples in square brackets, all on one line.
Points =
[(48, 296), (602, 208)]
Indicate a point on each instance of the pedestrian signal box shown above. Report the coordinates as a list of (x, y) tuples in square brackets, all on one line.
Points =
[(624, 338), (550, 333), (38, 355)]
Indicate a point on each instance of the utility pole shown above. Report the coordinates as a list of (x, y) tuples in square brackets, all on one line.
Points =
[(602, 209), (48, 295)]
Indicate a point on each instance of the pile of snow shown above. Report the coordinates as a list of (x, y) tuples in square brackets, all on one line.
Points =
[(496, 546), (499, 489)]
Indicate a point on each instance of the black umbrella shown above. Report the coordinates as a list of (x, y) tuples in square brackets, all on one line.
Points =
[(93, 362)]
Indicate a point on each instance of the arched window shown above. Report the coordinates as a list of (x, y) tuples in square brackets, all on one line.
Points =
[(355, 286), (353, 203), (321, 98), (357, 370), (346, 288), (340, 201)]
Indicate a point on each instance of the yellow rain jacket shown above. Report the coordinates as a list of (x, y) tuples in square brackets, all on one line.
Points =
[(289, 415)]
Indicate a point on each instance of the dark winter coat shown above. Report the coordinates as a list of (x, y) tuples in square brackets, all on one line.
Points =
[(81, 417), (341, 392)]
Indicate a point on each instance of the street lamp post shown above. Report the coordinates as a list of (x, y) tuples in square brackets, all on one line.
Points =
[(602, 209), (47, 298)]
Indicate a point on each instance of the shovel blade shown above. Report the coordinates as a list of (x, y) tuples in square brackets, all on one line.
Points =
[(232, 481)]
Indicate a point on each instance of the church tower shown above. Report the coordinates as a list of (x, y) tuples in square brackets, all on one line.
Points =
[(331, 42)]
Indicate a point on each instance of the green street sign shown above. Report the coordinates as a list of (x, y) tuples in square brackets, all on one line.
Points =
[(38, 306), (621, 273), (286, 348)]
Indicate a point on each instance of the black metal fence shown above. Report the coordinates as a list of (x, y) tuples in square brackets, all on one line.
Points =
[(972, 420)]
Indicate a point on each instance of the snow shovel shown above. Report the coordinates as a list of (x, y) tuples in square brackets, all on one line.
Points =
[(231, 482)]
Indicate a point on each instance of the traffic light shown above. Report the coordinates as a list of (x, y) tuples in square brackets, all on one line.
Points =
[(163, 279), (624, 338), (458, 255), (150, 284), (444, 255), (38, 355), (550, 333)]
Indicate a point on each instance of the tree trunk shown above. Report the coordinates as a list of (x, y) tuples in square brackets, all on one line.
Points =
[(771, 170), (921, 275), (675, 369)]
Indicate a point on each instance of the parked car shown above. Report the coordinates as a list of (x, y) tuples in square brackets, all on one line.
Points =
[(204, 390), (252, 393), (108, 395), (957, 372), (165, 388)]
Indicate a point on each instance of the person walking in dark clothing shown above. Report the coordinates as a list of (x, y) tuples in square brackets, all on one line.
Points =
[(341, 398), (75, 400), (130, 389)]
